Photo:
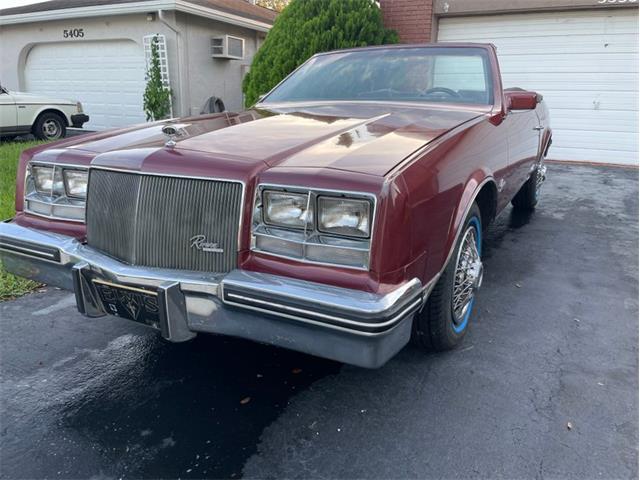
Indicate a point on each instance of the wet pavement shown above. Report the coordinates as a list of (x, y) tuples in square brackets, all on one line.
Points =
[(553, 343)]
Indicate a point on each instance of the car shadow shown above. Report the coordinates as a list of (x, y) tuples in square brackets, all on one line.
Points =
[(153, 409)]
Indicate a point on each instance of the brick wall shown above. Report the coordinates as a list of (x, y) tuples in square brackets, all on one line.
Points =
[(412, 19)]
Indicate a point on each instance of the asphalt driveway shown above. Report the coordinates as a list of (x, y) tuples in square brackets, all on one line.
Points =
[(545, 385)]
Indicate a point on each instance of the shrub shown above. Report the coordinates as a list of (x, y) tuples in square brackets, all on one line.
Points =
[(157, 96), (306, 27)]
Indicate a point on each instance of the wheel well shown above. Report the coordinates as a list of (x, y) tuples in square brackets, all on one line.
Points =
[(54, 111), (487, 200)]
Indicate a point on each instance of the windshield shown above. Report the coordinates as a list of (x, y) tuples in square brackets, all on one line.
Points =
[(423, 74)]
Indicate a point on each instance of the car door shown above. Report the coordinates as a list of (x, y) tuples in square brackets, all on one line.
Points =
[(523, 140), (26, 109), (8, 112)]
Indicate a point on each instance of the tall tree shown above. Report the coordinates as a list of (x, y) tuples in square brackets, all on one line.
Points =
[(157, 95), (306, 27), (277, 5)]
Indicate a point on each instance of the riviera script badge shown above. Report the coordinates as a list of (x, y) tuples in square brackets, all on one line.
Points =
[(199, 242)]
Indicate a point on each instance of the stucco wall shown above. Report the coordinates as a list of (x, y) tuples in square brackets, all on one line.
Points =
[(212, 76), (193, 73)]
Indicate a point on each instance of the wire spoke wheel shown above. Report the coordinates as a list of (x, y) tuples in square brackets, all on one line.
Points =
[(541, 175), (467, 276)]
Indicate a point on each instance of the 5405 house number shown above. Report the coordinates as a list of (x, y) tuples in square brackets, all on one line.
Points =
[(73, 33)]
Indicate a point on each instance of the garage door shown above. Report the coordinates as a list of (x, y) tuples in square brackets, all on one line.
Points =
[(106, 76), (585, 63)]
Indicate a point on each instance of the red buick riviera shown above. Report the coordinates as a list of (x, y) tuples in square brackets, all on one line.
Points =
[(341, 216)]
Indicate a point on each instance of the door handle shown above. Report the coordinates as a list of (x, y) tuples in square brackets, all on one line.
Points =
[(22, 106), (539, 127)]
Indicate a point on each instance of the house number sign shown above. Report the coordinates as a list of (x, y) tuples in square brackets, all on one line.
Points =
[(73, 33)]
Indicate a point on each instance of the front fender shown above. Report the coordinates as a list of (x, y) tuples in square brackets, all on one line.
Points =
[(64, 110), (474, 185)]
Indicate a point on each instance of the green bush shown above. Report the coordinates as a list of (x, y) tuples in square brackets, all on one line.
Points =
[(157, 96), (306, 27)]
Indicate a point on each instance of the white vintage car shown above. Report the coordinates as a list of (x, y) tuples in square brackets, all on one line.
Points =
[(47, 118)]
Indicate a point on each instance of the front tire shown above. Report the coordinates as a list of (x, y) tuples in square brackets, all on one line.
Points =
[(444, 320), (49, 126)]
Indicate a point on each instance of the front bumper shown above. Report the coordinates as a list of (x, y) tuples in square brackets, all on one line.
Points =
[(347, 325), (79, 119)]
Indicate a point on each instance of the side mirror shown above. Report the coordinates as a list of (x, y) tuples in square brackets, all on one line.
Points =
[(522, 100)]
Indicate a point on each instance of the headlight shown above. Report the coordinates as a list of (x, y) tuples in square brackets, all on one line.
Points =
[(327, 227), (43, 179), (286, 209), (79, 107), (56, 191), (75, 182), (344, 216)]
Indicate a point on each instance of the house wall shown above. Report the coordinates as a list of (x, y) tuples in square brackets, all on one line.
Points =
[(212, 76), (17, 40), (412, 19), (416, 21), (194, 75)]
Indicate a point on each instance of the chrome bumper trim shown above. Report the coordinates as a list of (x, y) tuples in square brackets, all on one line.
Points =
[(365, 329)]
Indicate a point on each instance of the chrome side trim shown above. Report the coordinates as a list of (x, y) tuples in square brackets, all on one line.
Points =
[(309, 313), (295, 288), (25, 251), (325, 325)]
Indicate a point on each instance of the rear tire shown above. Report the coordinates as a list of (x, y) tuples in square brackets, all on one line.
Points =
[(444, 320), (49, 126), (527, 197)]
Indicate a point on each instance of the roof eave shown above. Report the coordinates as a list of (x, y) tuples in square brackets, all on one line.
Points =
[(136, 7)]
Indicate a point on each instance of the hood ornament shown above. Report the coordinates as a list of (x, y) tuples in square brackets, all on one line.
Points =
[(174, 131)]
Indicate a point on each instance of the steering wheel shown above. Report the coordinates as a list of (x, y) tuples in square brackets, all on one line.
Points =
[(448, 91)]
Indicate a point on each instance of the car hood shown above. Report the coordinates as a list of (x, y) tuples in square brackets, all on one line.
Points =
[(34, 97), (368, 139), (364, 138)]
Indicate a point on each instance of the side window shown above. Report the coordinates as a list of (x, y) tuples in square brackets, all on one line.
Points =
[(464, 74)]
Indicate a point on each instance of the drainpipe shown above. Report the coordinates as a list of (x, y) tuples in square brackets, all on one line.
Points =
[(184, 87)]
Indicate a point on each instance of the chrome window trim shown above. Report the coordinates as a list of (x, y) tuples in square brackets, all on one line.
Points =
[(193, 177), (318, 192)]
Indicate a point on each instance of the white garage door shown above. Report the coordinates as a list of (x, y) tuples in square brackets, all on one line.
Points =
[(585, 63), (106, 76)]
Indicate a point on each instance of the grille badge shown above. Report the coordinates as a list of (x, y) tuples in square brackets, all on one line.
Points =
[(199, 242)]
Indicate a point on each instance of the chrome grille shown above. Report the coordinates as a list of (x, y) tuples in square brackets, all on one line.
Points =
[(150, 220)]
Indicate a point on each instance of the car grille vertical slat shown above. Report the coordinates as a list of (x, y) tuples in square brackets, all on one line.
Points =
[(149, 220)]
